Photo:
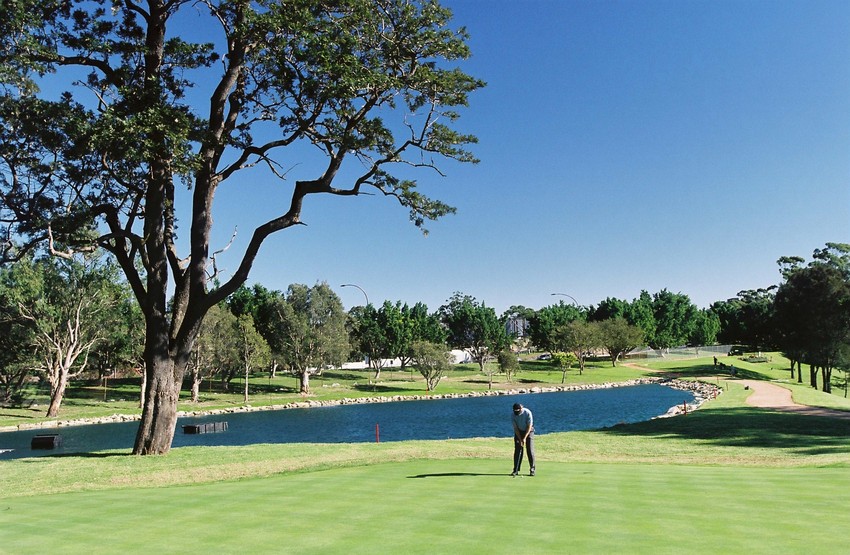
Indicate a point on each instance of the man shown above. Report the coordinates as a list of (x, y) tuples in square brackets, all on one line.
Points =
[(523, 423)]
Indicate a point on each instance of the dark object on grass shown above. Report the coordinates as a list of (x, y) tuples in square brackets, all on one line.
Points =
[(46, 441)]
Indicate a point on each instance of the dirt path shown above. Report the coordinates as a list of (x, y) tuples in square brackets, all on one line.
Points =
[(771, 396)]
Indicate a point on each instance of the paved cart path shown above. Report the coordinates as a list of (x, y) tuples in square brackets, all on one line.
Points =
[(771, 396)]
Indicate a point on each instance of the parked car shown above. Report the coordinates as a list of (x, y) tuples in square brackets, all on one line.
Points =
[(544, 356)]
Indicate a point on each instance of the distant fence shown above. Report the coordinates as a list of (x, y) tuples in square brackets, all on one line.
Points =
[(679, 353)]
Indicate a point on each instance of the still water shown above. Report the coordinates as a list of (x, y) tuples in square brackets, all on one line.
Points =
[(396, 421)]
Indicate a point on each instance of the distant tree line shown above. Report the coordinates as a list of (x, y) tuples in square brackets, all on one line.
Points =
[(69, 318), (806, 316)]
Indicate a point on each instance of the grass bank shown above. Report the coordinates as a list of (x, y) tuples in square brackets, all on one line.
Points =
[(88, 399)]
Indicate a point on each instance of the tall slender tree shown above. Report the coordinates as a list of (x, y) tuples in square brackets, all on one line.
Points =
[(215, 349), (252, 348), (68, 303), (313, 330), (372, 336)]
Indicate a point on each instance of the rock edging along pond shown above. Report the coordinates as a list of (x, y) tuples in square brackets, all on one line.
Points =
[(702, 391)]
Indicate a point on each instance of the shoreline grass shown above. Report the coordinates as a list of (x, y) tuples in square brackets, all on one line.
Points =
[(725, 432), (89, 400)]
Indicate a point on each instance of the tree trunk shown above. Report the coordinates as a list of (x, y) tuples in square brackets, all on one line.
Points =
[(196, 387), (143, 387), (304, 380), (246, 384), (826, 376), (813, 376), (56, 395), (159, 416)]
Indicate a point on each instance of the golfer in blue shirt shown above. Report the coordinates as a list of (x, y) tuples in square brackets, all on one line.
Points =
[(523, 423)]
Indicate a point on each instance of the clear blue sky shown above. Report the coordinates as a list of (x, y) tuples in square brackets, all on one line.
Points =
[(624, 146)]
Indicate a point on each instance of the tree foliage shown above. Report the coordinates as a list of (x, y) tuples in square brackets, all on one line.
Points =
[(564, 361), (370, 83), (390, 332), (473, 327), (618, 337), (314, 331), (544, 323), (215, 351), (642, 314), (369, 337), (580, 338), (265, 306), (508, 363), (747, 319), (252, 349), (17, 338), (705, 328), (609, 308), (68, 306), (812, 308), (675, 317), (432, 360)]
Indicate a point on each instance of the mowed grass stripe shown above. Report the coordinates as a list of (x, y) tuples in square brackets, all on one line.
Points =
[(449, 506)]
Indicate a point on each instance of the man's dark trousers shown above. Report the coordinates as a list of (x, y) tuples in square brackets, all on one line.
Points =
[(518, 451)]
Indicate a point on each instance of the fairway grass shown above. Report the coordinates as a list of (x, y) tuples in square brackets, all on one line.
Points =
[(728, 478), (449, 506)]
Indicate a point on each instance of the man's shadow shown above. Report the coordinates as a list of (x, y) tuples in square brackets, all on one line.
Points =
[(455, 474)]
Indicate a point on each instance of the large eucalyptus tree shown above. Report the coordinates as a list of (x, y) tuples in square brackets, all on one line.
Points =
[(371, 83)]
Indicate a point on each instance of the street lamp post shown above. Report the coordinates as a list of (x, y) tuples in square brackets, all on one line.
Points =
[(361, 290), (575, 302)]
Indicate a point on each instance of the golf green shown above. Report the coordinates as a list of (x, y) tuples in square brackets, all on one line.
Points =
[(456, 506)]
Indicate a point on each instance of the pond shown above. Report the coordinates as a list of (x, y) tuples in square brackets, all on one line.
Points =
[(395, 421)]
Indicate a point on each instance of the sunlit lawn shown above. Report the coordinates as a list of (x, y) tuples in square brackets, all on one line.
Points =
[(727, 478), (448, 506)]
